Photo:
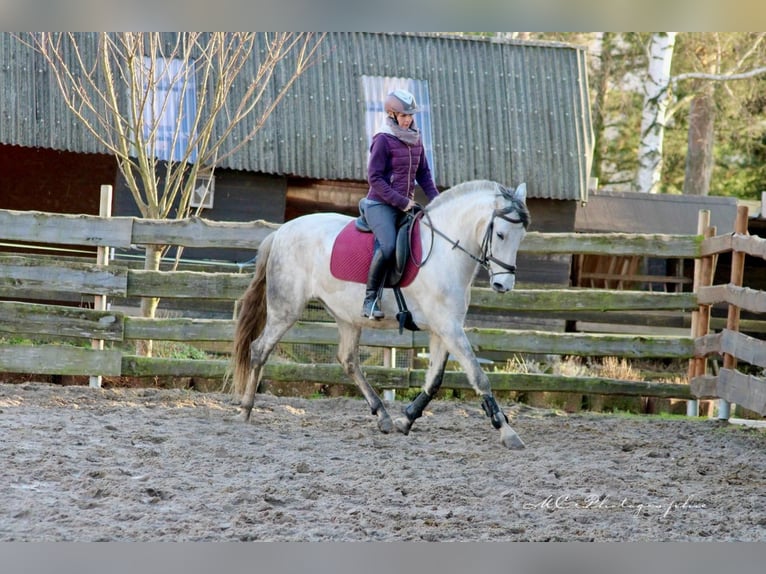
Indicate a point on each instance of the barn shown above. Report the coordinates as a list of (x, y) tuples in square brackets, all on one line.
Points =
[(510, 111)]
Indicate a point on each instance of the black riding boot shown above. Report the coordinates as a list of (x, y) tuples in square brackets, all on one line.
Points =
[(375, 281)]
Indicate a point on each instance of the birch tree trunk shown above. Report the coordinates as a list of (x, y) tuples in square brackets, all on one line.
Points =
[(656, 97)]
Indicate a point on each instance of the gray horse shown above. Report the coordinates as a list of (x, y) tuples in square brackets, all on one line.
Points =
[(477, 223)]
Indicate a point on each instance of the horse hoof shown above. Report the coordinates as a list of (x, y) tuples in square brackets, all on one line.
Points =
[(385, 425), (511, 440), (244, 415), (403, 425)]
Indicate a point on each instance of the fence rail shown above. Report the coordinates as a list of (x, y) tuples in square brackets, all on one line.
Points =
[(32, 281)]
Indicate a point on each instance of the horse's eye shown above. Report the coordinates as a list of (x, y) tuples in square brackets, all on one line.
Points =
[(500, 236)]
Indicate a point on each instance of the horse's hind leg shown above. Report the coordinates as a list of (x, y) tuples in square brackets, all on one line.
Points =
[(438, 355), (348, 355), (284, 310), (260, 349)]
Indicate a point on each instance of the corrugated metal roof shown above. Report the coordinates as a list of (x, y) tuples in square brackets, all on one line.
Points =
[(506, 111)]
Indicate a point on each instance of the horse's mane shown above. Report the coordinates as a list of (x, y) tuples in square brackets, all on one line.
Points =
[(468, 187), (464, 188)]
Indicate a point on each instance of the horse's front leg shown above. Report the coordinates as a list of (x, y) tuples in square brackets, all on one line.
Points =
[(348, 356), (480, 383), (438, 355)]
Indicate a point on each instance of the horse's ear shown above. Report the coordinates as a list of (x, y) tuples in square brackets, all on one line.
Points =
[(521, 192)]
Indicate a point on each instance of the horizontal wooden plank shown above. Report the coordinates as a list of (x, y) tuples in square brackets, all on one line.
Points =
[(388, 378), (707, 345), (745, 390), (200, 232), (320, 333), (704, 387), (509, 341), (651, 245), (186, 284), (637, 278), (581, 300), (59, 228), (743, 347), (750, 244), (179, 329), (715, 245), (59, 360), (585, 385), (742, 297), (91, 230), (22, 277), (134, 366), (581, 344), (59, 321)]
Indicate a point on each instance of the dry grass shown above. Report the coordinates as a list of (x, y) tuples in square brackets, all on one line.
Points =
[(606, 367)]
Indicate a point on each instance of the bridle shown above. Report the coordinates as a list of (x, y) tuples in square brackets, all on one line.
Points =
[(485, 257)]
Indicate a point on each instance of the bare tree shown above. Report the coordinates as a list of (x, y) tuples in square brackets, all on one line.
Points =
[(162, 104), (713, 71)]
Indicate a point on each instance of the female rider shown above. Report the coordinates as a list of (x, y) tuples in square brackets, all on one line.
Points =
[(397, 161)]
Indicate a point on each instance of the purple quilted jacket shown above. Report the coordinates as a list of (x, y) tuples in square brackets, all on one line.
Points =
[(393, 169)]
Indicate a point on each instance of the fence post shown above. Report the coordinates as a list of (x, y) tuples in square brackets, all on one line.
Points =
[(697, 366), (732, 318), (102, 258)]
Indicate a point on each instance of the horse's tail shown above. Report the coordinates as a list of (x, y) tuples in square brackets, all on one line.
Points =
[(252, 318)]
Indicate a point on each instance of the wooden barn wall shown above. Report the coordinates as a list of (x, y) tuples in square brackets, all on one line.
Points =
[(55, 181)]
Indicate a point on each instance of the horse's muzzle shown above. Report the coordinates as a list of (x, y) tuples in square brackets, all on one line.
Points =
[(509, 281)]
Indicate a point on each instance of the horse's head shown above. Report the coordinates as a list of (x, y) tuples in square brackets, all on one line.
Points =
[(505, 231)]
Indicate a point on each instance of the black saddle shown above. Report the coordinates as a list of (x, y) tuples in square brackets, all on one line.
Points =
[(402, 244)]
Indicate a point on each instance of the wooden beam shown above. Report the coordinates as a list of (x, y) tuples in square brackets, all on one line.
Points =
[(582, 300), (55, 320), (650, 245), (750, 244), (200, 232), (66, 229), (743, 347), (179, 329), (186, 284), (390, 378), (715, 245), (745, 390), (58, 360), (22, 277), (704, 387), (742, 297)]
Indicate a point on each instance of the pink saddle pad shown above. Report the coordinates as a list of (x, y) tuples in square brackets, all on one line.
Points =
[(352, 254)]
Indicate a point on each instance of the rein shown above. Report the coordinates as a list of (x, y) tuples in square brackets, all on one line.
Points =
[(486, 244)]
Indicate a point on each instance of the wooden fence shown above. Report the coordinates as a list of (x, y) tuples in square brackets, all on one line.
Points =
[(26, 280), (730, 384)]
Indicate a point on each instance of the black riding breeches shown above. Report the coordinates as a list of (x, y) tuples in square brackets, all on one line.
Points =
[(384, 220)]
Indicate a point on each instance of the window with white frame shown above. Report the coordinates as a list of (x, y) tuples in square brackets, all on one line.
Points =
[(170, 110), (375, 90)]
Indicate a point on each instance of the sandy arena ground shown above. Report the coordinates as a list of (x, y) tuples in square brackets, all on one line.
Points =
[(81, 464)]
